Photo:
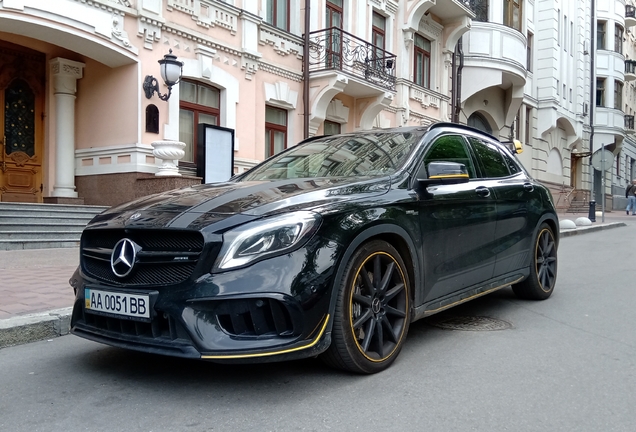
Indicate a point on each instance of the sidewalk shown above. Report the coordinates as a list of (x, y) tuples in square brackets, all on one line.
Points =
[(36, 298)]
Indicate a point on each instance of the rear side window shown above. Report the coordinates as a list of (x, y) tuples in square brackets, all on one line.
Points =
[(450, 148), (510, 161), (492, 161)]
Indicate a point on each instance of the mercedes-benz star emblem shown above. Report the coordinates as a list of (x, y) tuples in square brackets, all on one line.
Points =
[(122, 260)]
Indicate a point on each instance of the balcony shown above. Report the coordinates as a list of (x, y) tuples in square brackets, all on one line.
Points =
[(630, 16), (629, 123), (334, 49), (494, 56), (630, 70)]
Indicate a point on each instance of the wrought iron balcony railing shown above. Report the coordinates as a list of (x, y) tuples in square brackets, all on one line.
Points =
[(630, 11), (335, 49), (629, 122), (480, 7), (630, 66)]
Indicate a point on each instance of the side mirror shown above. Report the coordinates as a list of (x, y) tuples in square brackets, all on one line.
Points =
[(442, 173)]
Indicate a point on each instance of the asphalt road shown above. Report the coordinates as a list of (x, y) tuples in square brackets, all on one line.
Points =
[(566, 364)]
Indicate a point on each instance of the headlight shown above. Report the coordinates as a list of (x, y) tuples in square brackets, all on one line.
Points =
[(266, 237)]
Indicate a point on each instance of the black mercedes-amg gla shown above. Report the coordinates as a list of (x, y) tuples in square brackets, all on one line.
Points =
[(331, 248)]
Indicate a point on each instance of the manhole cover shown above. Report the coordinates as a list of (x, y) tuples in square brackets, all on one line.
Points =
[(471, 323)]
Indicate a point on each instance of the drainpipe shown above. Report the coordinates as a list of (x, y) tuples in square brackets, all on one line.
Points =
[(592, 212), (306, 72), (453, 84), (458, 94)]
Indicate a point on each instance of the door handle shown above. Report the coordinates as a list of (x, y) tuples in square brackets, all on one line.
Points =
[(528, 186), (482, 191)]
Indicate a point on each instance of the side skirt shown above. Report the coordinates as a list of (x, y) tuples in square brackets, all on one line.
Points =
[(438, 305)]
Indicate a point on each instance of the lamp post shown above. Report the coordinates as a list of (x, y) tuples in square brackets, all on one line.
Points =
[(170, 69)]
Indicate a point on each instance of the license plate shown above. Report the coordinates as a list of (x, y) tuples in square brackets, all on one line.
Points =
[(123, 304)]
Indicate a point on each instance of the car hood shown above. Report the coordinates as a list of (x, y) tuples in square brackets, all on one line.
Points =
[(233, 203)]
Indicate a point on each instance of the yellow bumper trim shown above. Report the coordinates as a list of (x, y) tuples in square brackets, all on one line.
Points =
[(271, 353)]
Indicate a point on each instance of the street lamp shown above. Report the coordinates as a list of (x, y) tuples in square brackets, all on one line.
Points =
[(170, 70)]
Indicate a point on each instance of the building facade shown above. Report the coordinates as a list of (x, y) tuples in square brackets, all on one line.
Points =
[(77, 123)]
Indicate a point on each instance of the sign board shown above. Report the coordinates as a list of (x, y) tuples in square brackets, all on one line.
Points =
[(215, 153), (602, 160)]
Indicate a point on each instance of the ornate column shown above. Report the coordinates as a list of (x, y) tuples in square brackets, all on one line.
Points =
[(65, 74)]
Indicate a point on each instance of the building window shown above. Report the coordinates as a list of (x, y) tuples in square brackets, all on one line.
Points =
[(528, 125), (378, 30), (199, 103), (517, 124), (478, 121), (275, 130), (565, 33), (331, 128), (512, 14), (618, 95), (600, 35), (618, 39), (422, 61), (278, 13), (600, 92), (529, 52)]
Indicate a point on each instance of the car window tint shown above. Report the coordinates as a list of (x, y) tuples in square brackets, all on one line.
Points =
[(450, 148), (369, 154), (510, 161), (491, 159)]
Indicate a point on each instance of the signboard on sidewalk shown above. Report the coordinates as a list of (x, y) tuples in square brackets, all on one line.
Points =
[(215, 157)]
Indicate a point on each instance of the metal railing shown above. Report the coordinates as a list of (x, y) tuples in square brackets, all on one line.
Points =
[(334, 48), (480, 7), (629, 122)]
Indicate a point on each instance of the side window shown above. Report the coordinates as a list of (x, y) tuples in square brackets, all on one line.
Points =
[(450, 148), (512, 164), (491, 159)]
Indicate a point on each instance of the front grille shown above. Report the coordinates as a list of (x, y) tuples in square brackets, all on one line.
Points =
[(165, 256), (161, 327), (255, 317)]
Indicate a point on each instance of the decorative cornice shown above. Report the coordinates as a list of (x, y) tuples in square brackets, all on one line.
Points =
[(285, 73)]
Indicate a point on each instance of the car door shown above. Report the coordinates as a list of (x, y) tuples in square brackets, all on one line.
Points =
[(457, 223), (513, 191)]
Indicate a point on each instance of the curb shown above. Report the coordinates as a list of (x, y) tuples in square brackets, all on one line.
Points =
[(591, 228), (50, 324), (34, 327)]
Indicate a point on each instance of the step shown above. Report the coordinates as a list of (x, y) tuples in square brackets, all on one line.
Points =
[(41, 235), (44, 226), (39, 220), (37, 244)]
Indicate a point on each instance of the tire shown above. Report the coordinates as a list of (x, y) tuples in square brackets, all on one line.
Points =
[(543, 271), (372, 314)]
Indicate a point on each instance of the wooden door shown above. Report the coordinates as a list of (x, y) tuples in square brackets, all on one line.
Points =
[(21, 124)]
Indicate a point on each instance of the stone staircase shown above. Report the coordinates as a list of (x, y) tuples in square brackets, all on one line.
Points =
[(579, 206), (39, 226)]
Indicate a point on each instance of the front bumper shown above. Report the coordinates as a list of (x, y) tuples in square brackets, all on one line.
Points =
[(274, 310)]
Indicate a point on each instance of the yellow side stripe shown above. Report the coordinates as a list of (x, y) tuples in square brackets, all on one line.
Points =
[(241, 356), (470, 298)]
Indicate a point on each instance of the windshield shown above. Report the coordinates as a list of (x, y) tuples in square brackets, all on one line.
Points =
[(369, 154)]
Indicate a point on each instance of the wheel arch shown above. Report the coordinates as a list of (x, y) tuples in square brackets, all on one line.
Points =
[(399, 239)]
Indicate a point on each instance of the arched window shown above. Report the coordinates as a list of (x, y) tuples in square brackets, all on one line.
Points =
[(152, 119), (198, 103), (478, 121)]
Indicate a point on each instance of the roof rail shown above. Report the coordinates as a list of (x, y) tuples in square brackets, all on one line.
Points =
[(462, 126)]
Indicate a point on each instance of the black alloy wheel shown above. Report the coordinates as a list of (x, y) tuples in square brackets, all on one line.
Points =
[(543, 273), (372, 310)]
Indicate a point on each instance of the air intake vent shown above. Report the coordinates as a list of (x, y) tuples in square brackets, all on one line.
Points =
[(255, 317)]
